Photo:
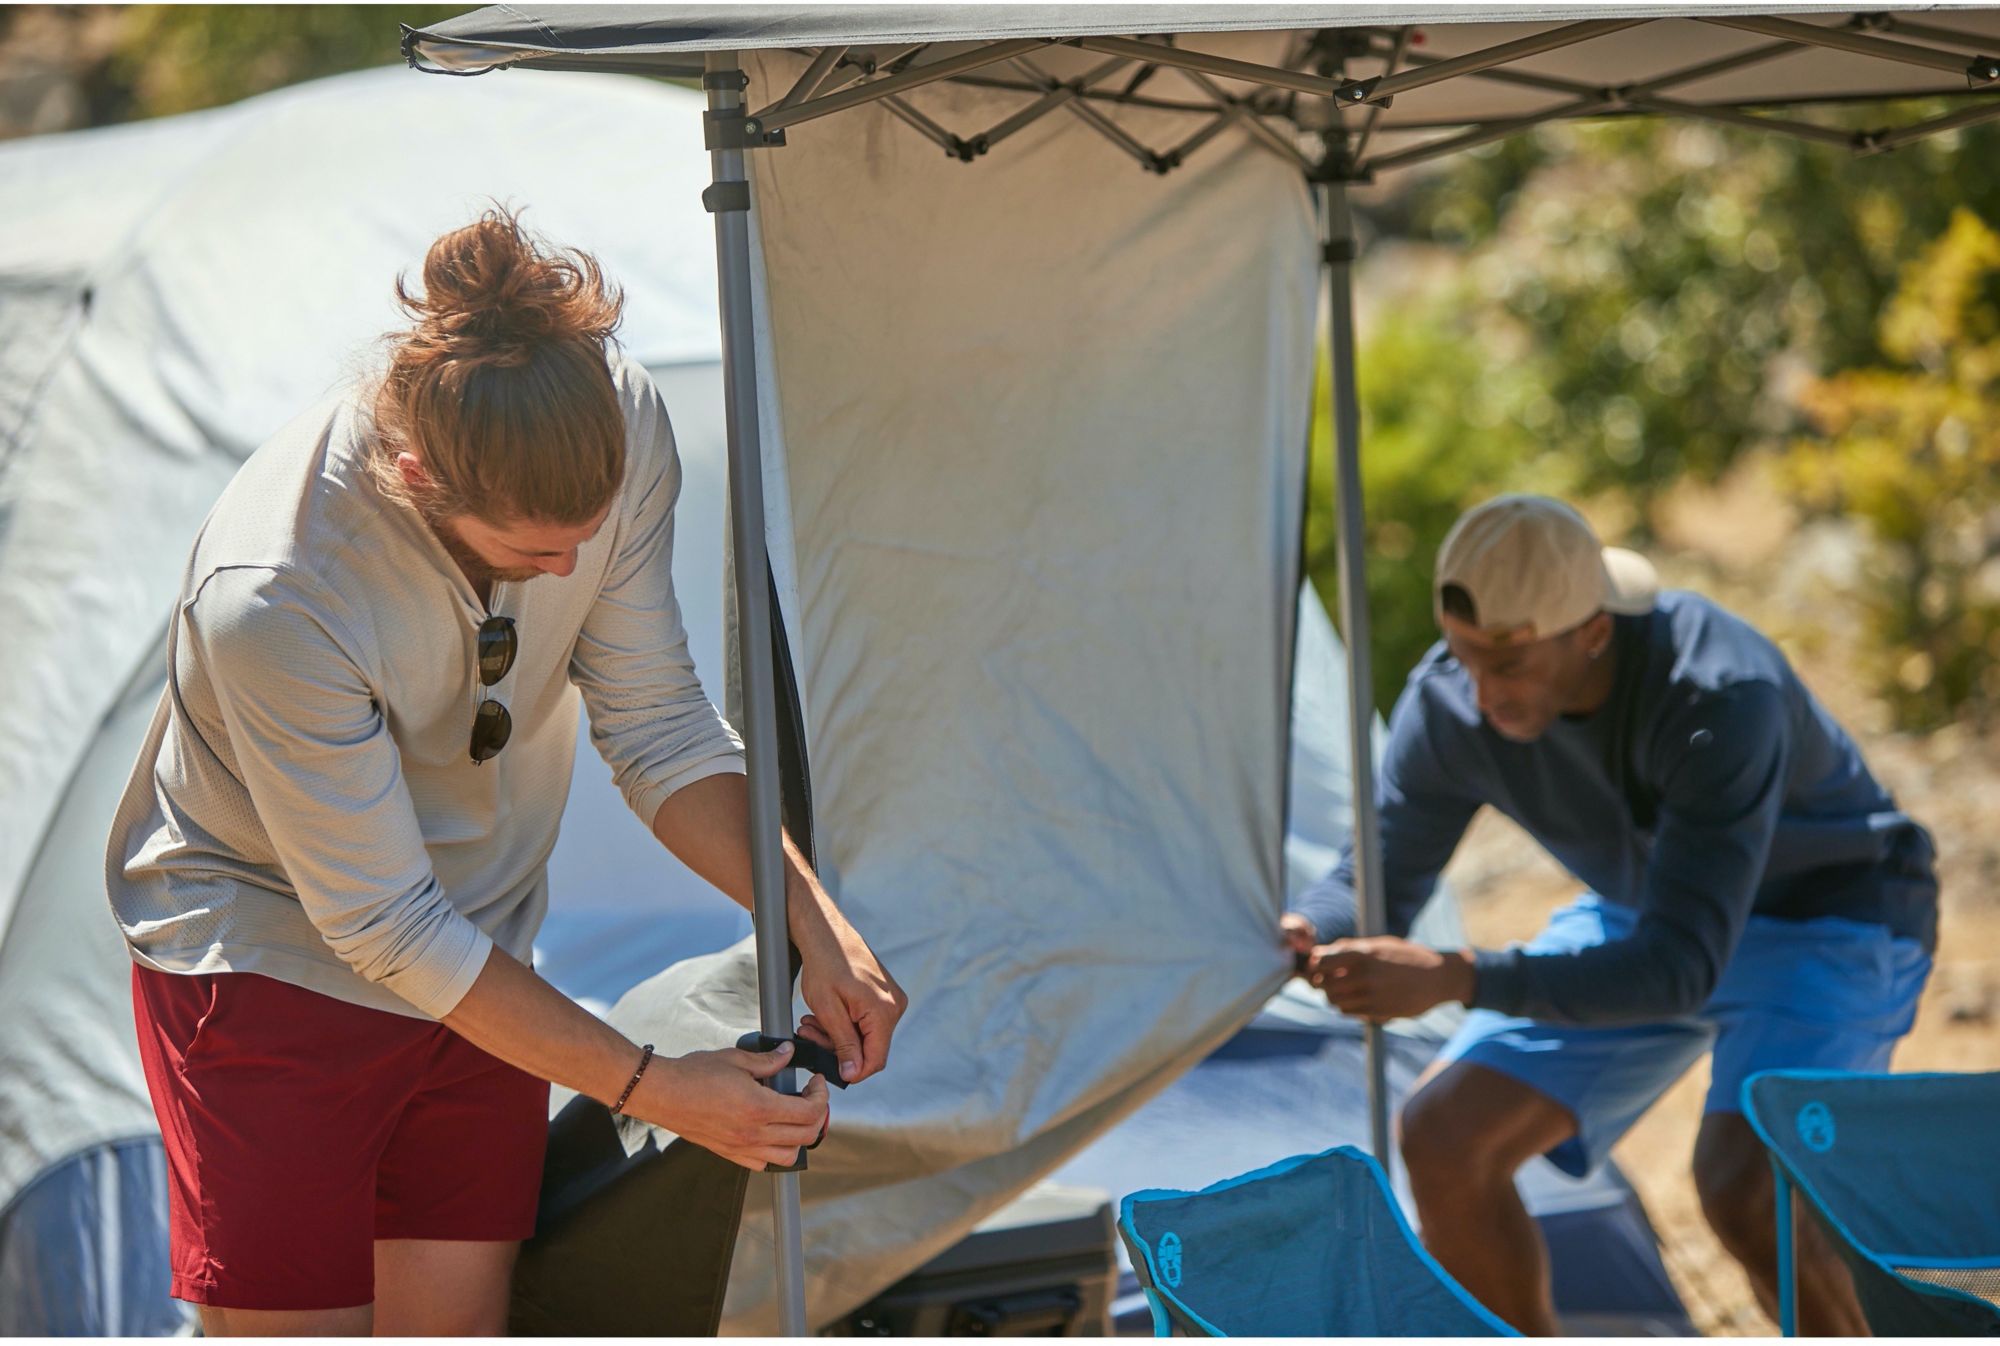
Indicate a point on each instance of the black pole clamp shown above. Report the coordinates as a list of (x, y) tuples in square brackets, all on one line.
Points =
[(722, 198), (806, 1055), (733, 129)]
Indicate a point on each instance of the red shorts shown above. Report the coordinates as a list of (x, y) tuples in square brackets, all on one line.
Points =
[(300, 1129)]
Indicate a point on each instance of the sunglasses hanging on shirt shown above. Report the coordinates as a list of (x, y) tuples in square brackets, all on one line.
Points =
[(492, 726)]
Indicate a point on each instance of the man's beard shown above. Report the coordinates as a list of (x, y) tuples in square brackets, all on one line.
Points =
[(476, 567)]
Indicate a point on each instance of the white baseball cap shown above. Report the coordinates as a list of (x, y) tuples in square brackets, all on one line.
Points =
[(1533, 568)]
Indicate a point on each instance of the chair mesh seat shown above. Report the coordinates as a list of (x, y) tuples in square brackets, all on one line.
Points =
[(1981, 1281)]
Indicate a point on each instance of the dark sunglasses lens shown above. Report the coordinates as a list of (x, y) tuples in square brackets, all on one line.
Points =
[(492, 726), (496, 649)]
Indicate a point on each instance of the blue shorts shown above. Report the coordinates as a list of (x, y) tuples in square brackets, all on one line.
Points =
[(1826, 994)]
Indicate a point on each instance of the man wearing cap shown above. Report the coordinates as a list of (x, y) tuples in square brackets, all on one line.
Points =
[(1750, 891)]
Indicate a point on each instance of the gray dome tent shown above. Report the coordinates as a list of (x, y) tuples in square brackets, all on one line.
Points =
[(937, 298), (171, 293)]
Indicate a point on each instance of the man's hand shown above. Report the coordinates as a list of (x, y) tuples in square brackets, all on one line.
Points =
[(855, 1003), (718, 1101), (1384, 978), (715, 1099), (1298, 935)]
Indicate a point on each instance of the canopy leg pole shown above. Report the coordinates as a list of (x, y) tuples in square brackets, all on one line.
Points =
[(1337, 236), (729, 200), (1788, 1267)]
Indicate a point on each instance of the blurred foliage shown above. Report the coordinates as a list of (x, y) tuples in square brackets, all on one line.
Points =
[(1637, 304), (1664, 269), (178, 58), (1911, 446), (1445, 416)]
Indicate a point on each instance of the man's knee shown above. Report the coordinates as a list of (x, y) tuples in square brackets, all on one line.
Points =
[(1473, 1125), (352, 1322), (1732, 1177), (1437, 1139), (442, 1288)]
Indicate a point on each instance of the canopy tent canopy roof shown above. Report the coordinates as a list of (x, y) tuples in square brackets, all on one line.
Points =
[(1407, 82)]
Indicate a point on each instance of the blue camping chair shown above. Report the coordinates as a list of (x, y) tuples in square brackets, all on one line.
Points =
[(1312, 1246), (1903, 1173)]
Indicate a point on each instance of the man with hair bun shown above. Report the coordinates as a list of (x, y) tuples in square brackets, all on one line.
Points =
[(1753, 894), (329, 863)]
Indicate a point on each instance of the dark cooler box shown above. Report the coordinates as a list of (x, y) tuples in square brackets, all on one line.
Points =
[(1044, 1266)]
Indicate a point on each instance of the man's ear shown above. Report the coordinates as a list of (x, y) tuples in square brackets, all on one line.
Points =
[(411, 468), (1596, 635)]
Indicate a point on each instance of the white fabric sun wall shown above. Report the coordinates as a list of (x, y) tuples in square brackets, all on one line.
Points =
[(1039, 426)]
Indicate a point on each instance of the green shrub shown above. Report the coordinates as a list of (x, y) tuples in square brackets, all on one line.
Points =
[(1911, 447)]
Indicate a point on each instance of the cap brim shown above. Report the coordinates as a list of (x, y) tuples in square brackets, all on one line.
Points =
[(1634, 584)]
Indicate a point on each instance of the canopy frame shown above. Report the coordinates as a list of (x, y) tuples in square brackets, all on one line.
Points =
[(838, 79), (728, 199), (823, 90)]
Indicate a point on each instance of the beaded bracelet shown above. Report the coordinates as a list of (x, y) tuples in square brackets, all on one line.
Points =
[(645, 1059)]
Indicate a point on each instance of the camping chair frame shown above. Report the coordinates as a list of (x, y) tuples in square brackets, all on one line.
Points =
[(1170, 1310), (1785, 1182)]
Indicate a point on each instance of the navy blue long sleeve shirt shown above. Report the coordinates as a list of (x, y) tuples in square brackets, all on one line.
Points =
[(1709, 786)]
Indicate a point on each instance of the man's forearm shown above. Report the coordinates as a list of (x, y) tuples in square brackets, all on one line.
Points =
[(516, 1016), (713, 1099), (855, 1003), (707, 827), (1654, 974)]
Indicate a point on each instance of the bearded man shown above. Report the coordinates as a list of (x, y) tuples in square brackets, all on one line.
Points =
[(330, 862)]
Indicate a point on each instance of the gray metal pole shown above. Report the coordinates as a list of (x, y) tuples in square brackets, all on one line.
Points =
[(1337, 234), (729, 199)]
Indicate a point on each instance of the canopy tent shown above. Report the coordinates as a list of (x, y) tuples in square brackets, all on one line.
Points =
[(859, 244), (170, 294)]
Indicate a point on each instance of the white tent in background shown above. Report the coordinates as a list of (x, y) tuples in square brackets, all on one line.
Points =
[(170, 293)]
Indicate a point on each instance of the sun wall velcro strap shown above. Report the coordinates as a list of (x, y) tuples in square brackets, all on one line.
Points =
[(806, 1055)]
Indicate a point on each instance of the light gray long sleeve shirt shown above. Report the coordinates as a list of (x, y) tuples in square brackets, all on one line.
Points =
[(306, 805)]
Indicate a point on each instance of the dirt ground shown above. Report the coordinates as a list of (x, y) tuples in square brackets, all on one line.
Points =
[(1742, 549)]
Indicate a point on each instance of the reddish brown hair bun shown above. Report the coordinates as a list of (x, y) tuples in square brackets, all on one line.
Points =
[(502, 388)]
